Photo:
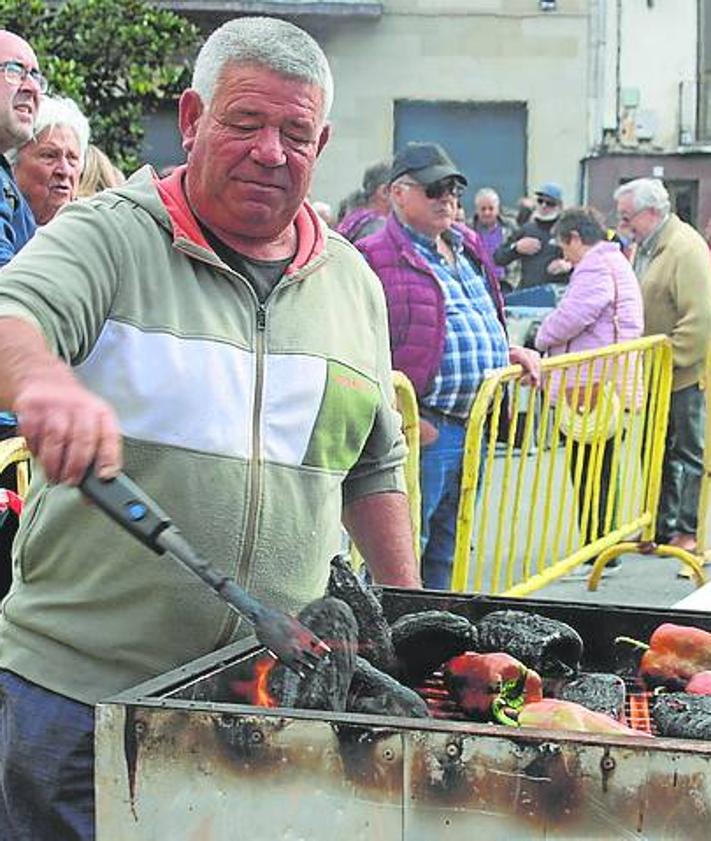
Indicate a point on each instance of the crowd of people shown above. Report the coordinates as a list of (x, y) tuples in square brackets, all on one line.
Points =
[(210, 331), (648, 274)]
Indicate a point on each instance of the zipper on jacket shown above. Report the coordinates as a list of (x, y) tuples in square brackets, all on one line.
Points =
[(255, 468), (254, 489), (254, 486)]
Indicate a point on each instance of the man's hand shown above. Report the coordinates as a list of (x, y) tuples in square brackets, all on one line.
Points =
[(67, 427), (528, 246), (559, 266), (428, 432), (530, 361)]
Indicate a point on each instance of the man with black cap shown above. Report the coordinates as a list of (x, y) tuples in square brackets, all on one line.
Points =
[(534, 243), (447, 328)]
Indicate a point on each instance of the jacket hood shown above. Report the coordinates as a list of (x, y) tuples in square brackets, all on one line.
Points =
[(165, 200)]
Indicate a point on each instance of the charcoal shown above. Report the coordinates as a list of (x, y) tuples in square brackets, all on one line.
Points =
[(550, 647), (423, 641), (375, 693), (599, 692), (374, 640), (683, 715), (326, 686)]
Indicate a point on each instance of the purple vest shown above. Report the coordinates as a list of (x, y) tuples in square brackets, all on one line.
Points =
[(352, 223), (415, 301)]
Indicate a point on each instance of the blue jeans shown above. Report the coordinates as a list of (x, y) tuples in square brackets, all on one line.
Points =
[(440, 480), (683, 464), (46, 764)]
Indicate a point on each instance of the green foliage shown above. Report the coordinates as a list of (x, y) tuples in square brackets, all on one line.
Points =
[(117, 58)]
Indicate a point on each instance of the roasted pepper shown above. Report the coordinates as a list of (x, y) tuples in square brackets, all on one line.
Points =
[(553, 714), (492, 685), (700, 684), (675, 653)]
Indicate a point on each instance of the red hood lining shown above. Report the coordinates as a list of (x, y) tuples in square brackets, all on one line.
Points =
[(309, 233)]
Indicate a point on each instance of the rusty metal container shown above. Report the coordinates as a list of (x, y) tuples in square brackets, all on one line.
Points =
[(176, 760)]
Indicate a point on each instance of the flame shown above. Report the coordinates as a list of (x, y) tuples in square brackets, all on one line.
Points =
[(255, 691)]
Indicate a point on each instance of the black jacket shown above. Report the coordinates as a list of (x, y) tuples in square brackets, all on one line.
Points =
[(533, 267)]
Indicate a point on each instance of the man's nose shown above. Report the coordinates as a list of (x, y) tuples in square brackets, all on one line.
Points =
[(268, 149), (31, 86)]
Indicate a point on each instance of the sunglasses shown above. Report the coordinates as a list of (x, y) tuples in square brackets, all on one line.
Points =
[(447, 186), (544, 202)]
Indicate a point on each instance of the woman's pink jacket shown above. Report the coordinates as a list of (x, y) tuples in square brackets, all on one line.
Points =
[(583, 319)]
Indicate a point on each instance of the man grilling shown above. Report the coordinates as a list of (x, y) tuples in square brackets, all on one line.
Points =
[(207, 332)]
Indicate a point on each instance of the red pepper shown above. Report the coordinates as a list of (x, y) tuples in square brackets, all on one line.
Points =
[(492, 685), (700, 684), (674, 655), (553, 714)]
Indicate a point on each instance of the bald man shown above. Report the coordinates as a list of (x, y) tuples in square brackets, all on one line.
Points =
[(21, 86)]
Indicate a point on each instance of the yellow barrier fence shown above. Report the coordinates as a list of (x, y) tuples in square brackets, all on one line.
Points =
[(14, 451), (532, 505), (406, 404), (702, 532), (406, 401)]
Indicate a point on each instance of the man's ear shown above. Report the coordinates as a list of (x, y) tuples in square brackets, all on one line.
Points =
[(190, 110), (323, 138), (395, 194)]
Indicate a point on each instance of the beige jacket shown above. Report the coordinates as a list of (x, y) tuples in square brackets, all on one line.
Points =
[(676, 290)]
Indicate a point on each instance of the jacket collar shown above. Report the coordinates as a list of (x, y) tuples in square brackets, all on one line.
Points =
[(309, 231)]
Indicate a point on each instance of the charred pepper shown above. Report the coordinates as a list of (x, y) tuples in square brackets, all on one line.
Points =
[(493, 685), (675, 653)]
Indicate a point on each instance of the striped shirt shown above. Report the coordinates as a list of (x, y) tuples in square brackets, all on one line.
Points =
[(475, 342)]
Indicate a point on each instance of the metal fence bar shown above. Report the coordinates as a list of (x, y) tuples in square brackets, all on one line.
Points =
[(539, 512), (705, 493), (406, 402), (14, 451)]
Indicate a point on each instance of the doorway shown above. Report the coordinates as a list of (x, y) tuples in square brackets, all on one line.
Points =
[(487, 141)]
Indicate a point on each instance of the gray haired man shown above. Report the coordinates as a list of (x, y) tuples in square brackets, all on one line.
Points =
[(673, 266), (209, 332), (21, 85)]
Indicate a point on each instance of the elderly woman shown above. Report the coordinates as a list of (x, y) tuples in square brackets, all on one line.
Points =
[(602, 305), (48, 167)]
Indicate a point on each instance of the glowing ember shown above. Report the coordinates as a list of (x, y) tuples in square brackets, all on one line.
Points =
[(639, 711)]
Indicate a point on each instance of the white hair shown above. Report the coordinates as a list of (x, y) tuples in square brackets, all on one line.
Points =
[(487, 193), (646, 193), (272, 43), (58, 111)]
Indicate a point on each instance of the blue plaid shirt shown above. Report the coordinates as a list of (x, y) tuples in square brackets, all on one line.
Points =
[(475, 342)]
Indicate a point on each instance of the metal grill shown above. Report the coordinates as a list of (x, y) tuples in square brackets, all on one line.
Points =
[(442, 706), (178, 751)]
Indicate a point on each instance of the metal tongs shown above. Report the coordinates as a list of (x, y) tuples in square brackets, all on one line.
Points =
[(130, 507)]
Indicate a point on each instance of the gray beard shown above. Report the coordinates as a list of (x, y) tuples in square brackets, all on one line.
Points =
[(549, 217)]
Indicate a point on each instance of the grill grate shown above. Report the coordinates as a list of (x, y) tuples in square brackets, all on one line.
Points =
[(442, 706)]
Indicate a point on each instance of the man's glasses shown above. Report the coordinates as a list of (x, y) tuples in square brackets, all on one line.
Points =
[(16, 73), (544, 202), (438, 189), (626, 218)]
